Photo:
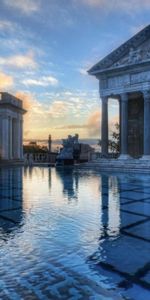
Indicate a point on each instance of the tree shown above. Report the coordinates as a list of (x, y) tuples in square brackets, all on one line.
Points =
[(114, 142)]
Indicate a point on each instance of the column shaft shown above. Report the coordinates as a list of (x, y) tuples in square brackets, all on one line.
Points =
[(10, 138), (16, 138), (124, 126), (5, 137), (146, 151), (104, 126)]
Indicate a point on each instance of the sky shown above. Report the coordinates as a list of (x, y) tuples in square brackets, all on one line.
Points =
[(46, 48)]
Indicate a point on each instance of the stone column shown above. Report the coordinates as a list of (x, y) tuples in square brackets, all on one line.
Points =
[(146, 148), (16, 139), (10, 138), (5, 138), (21, 139), (104, 127), (124, 126)]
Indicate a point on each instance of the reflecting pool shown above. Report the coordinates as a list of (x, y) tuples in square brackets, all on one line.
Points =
[(74, 234)]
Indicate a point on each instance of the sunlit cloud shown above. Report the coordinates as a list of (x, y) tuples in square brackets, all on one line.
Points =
[(43, 81), (19, 61), (27, 6), (6, 81)]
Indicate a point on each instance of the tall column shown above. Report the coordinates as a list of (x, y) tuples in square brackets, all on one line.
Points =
[(146, 151), (10, 138), (5, 137), (104, 126), (124, 126), (21, 139), (16, 138)]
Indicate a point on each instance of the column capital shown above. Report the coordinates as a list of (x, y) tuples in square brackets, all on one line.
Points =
[(104, 99), (146, 95), (124, 97)]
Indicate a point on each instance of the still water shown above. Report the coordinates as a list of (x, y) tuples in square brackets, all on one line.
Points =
[(74, 234)]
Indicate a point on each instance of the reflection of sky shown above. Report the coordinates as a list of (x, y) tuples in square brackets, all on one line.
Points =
[(73, 217)]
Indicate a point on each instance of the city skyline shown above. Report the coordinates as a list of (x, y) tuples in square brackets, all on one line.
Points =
[(47, 48)]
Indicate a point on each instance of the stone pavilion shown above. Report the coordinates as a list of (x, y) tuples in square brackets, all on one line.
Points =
[(124, 75), (11, 127)]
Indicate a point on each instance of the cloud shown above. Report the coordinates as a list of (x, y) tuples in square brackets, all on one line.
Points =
[(25, 6), (126, 6), (4, 24), (5, 80), (19, 61), (44, 81), (83, 71), (28, 100), (92, 124)]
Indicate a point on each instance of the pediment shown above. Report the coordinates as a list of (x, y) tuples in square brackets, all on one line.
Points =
[(134, 51), (135, 56)]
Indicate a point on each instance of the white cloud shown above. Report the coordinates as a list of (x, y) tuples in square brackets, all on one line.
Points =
[(5, 81), (19, 61), (126, 5), (83, 71), (25, 6), (43, 81)]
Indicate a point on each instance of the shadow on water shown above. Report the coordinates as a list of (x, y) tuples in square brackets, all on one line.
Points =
[(11, 199)]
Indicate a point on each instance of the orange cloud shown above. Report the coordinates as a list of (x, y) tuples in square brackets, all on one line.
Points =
[(27, 100), (5, 80), (93, 123)]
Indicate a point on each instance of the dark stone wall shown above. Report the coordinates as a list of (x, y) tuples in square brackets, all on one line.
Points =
[(135, 127)]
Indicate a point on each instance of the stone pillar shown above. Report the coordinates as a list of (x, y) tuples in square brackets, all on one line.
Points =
[(10, 138), (124, 126), (21, 139), (16, 139), (5, 137), (104, 127), (146, 151)]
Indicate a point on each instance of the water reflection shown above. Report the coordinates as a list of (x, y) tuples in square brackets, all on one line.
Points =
[(110, 199), (11, 198), (70, 181)]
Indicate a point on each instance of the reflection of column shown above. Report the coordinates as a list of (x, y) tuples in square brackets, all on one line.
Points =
[(104, 196), (5, 137), (124, 126), (104, 127), (113, 207), (146, 154)]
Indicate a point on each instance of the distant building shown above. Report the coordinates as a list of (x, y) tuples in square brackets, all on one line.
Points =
[(11, 127)]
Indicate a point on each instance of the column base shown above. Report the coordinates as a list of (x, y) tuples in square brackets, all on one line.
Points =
[(145, 157), (124, 156)]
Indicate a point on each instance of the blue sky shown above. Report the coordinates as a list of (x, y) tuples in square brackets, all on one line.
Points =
[(46, 47)]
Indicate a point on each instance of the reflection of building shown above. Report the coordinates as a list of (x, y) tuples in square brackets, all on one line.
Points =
[(69, 180), (125, 75), (11, 194), (11, 127)]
